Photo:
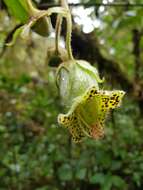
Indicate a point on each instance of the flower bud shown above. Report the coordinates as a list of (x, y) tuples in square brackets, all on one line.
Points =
[(43, 27), (55, 58)]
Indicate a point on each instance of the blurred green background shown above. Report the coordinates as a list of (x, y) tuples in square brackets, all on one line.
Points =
[(36, 153)]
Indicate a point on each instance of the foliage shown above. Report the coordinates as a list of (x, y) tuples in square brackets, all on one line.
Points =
[(38, 154)]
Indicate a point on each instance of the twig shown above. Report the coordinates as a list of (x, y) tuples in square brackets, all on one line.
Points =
[(92, 4)]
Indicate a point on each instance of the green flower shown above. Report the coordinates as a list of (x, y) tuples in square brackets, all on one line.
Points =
[(87, 106)]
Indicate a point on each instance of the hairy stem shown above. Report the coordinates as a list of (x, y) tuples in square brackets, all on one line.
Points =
[(68, 36), (69, 29), (58, 31)]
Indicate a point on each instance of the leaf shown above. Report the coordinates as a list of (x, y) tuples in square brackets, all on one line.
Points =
[(15, 36), (25, 4), (2, 128), (65, 172), (98, 178), (118, 182), (17, 10), (80, 174)]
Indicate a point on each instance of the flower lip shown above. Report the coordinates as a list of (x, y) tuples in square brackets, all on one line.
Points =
[(90, 111)]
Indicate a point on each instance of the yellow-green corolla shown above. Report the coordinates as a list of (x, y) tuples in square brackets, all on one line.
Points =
[(86, 105)]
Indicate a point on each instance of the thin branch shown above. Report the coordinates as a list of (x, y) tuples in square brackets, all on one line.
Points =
[(91, 4)]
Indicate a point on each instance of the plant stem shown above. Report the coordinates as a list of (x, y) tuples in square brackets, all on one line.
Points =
[(68, 36), (58, 31), (31, 9), (64, 4), (69, 29)]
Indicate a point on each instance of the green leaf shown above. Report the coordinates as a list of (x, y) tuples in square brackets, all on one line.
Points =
[(24, 4), (2, 128), (80, 174), (98, 178), (118, 182), (17, 10), (65, 172), (15, 36)]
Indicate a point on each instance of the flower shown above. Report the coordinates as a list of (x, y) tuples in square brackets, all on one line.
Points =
[(87, 106)]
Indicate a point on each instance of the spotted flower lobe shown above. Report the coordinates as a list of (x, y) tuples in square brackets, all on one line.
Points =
[(88, 113)]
